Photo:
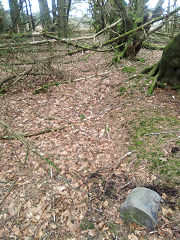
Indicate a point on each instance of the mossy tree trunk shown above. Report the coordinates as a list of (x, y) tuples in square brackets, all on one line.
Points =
[(132, 14), (135, 15), (169, 66), (167, 70)]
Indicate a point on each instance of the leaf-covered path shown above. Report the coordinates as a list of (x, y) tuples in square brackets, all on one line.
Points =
[(96, 116)]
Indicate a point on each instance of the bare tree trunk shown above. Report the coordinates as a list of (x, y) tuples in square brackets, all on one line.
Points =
[(1, 20), (31, 15), (15, 16), (174, 20), (68, 8), (168, 10), (44, 14), (62, 18), (54, 8)]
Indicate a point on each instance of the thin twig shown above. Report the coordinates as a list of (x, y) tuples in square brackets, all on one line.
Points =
[(118, 163), (123, 157), (14, 76), (92, 76), (7, 194), (125, 185), (148, 134), (103, 111)]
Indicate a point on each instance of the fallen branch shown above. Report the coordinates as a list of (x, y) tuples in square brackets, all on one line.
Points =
[(26, 135), (7, 79), (125, 185), (92, 76), (26, 44), (70, 43), (14, 76), (44, 87), (148, 134), (35, 150)]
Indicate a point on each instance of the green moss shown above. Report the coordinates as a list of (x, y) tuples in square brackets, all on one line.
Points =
[(85, 224), (113, 227), (151, 148), (121, 89), (129, 70), (140, 59), (83, 116)]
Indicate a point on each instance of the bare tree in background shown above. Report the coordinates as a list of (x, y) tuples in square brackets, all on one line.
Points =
[(63, 8), (29, 13), (17, 25), (54, 9), (44, 14)]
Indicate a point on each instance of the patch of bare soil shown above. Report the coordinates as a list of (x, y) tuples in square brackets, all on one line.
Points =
[(93, 123)]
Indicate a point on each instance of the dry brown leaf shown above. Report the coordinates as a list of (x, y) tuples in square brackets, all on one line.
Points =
[(164, 196), (16, 231), (167, 211), (53, 226), (105, 204), (119, 221), (101, 134), (39, 234), (12, 209), (138, 233), (132, 237), (92, 232)]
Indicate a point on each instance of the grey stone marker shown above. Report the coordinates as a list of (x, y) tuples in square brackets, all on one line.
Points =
[(141, 206)]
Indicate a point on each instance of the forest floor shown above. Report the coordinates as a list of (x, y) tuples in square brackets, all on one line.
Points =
[(96, 136)]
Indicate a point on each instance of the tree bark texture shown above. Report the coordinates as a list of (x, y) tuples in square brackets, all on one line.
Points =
[(15, 16), (63, 8), (169, 67), (54, 8), (44, 14)]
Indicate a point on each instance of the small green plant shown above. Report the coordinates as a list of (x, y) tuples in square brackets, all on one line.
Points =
[(113, 227), (121, 89), (140, 59), (86, 224), (2, 91), (107, 129), (82, 116), (129, 70)]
